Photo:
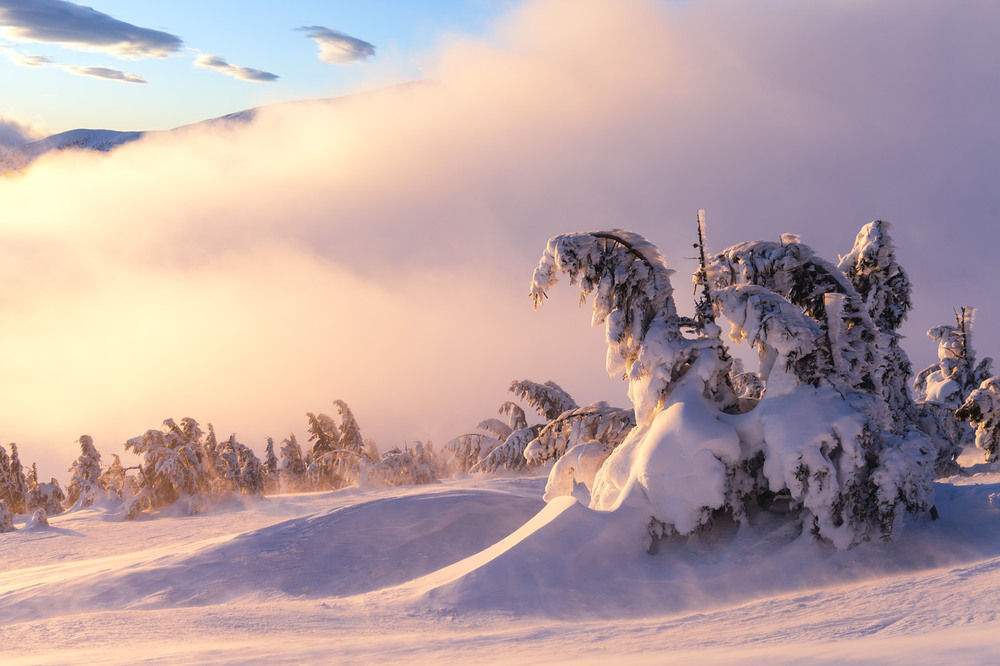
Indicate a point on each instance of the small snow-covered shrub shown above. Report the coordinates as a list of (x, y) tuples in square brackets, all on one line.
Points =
[(38, 519), (48, 497), (407, 467)]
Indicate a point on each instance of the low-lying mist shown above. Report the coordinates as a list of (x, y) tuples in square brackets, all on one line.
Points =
[(378, 249)]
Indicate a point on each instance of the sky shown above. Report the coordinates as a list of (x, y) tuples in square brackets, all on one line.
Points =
[(116, 64), (378, 250)]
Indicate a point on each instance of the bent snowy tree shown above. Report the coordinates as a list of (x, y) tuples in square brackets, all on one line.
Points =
[(822, 436)]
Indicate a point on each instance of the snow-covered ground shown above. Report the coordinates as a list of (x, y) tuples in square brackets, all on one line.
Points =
[(480, 570)]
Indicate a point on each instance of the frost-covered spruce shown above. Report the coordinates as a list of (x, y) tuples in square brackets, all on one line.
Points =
[(293, 468), (6, 518), (272, 479), (114, 481), (13, 484), (6, 478), (792, 270), (633, 298), (172, 470), (672, 379), (337, 451), (941, 388), (882, 283), (852, 463), (982, 410), (84, 484), (820, 434)]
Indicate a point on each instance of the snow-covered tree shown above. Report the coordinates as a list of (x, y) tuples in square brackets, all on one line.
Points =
[(982, 410), (821, 434), (253, 478), (848, 356), (403, 467), (46, 497), (114, 480), (6, 518), (505, 444), (173, 468), (883, 285), (598, 421), (338, 450), (633, 298), (465, 451), (941, 388), (272, 476), (13, 484), (293, 468), (84, 484), (859, 468)]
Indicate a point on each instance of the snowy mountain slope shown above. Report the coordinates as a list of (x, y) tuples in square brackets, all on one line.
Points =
[(106, 140), (89, 139), (379, 576)]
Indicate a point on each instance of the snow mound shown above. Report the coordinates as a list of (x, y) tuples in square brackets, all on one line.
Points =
[(345, 551), (570, 561)]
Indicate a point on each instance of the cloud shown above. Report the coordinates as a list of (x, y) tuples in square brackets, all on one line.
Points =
[(338, 48), (244, 73), (107, 73), (15, 133), (378, 249), (104, 73), (81, 27), (31, 60)]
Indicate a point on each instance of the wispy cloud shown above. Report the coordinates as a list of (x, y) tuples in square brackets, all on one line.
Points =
[(338, 48), (104, 73), (97, 72), (32, 60), (81, 27), (235, 71)]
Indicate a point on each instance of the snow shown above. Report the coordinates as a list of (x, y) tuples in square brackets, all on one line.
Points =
[(480, 570)]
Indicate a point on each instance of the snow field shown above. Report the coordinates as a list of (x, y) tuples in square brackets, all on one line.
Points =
[(480, 571)]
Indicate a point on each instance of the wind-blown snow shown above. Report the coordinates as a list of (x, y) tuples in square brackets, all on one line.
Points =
[(479, 570)]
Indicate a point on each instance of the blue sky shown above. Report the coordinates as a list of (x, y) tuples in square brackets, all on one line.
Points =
[(47, 80)]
